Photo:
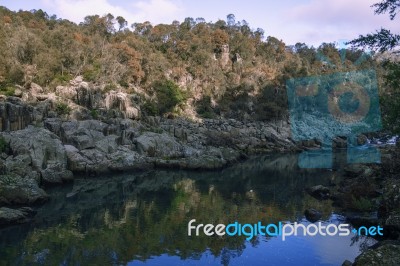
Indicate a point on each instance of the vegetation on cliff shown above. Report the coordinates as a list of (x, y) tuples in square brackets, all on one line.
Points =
[(192, 67)]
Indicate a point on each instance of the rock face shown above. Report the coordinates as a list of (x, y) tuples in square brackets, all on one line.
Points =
[(122, 102), (121, 144), (159, 145), (225, 56), (14, 114), (91, 97), (37, 153), (55, 149)]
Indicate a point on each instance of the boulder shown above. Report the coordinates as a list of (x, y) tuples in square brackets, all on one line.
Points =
[(37, 149), (126, 159), (312, 215), (158, 145), (15, 216), (358, 219), (17, 190), (347, 263), (319, 192), (355, 170), (76, 162), (108, 144), (388, 255), (392, 225), (362, 139), (82, 134)]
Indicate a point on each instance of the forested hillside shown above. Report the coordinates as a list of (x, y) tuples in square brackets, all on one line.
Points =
[(192, 68)]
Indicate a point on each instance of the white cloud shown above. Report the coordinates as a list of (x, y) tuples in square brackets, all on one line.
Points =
[(326, 20), (155, 11)]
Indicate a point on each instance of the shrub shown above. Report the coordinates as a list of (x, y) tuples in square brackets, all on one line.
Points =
[(62, 108), (168, 95), (94, 113), (7, 91), (61, 79), (150, 108), (361, 204), (204, 108)]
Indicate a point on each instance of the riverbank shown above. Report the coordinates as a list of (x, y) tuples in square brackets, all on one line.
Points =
[(41, 150), (369, 195)]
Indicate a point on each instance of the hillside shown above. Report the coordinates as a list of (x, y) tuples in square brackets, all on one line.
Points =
[(193, 68)]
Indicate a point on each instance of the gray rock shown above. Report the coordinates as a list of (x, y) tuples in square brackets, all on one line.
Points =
[(319, 192), (388, 255), (347, 263), (17, 190), (19, 165), (108, 144), (355, 170), (125, 159), (37, 149), (312, 215), (339, 143), (56, 174), (83, 134), (76, 162), (159, 145), (15, 216), (362, 139), (14, 114)]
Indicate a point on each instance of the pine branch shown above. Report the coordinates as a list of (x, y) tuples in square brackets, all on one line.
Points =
[(382, 41), (390, 6)]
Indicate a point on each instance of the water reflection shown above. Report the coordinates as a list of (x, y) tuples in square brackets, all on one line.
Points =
[(142, 219)]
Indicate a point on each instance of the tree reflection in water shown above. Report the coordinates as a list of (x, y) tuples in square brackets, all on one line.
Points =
[(143, 216)]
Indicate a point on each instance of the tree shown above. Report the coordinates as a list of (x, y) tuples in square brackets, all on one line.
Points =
[(230, 20), (121, 22), (168, 95), (383, 41), (220, 38)]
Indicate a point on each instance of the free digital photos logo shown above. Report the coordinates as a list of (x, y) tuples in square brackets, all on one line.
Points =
[(324, 107)]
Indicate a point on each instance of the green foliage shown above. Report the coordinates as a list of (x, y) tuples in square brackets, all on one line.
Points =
[(168, 96), (91, 72), (382, 41), (361, 204), (37, 47), (272, 104), (109, 87), (7, 91), (204, 108), (150, 108), (61, 79), (94, 113), (62, 108)]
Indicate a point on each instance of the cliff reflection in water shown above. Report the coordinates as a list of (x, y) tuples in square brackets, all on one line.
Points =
[(143, 217)]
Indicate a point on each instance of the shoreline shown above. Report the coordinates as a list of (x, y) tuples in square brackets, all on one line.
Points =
[(58, 151)]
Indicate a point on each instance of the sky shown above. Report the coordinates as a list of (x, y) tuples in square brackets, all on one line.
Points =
[(308, 21)]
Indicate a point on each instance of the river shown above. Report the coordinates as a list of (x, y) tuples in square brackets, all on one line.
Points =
[(141, 219)]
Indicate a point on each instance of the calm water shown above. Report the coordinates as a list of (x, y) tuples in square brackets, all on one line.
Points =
[(141, 219)]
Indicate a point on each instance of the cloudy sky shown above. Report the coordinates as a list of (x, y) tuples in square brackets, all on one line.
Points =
[(309, 21)]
